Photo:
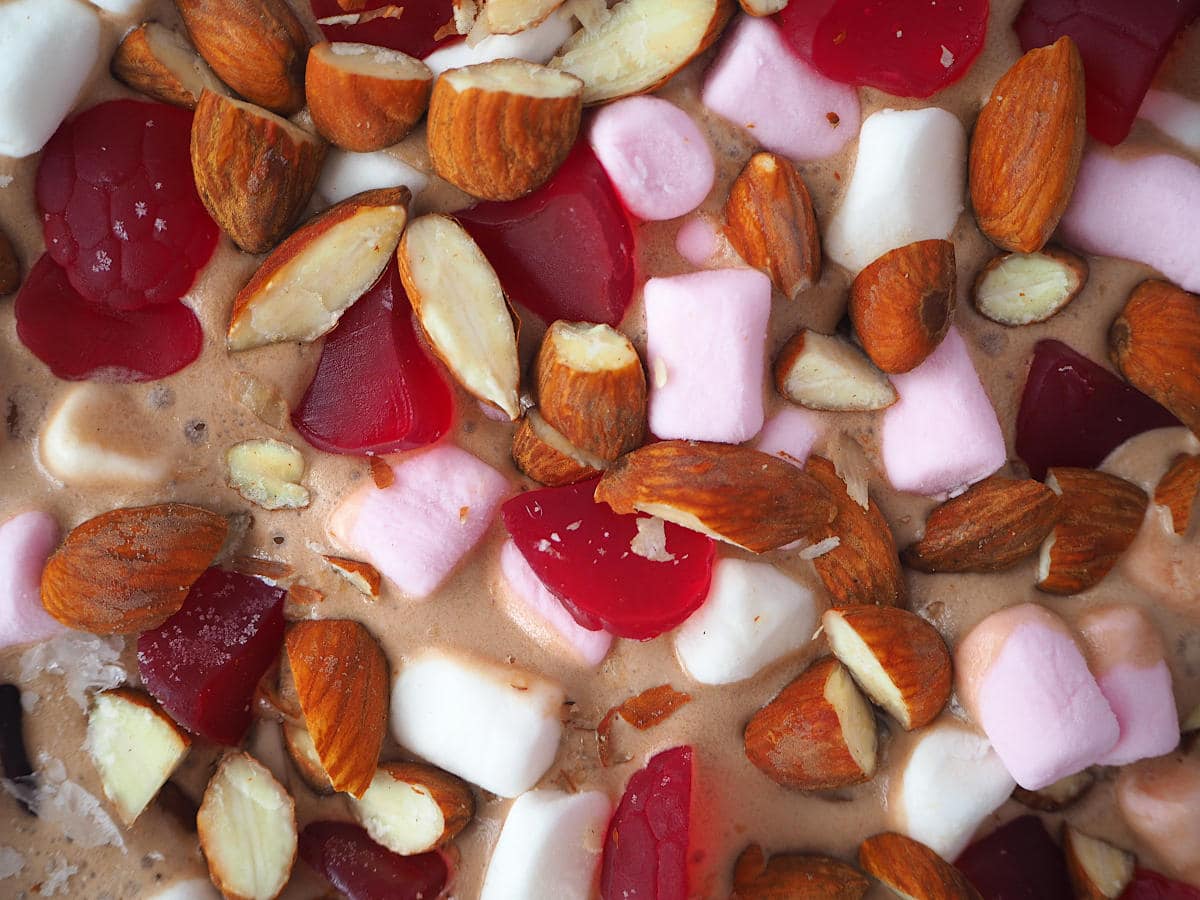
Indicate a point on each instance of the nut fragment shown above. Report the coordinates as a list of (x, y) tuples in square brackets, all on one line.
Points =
[(262, 398), (795, 876), (512, 16), (547, 457), (1098, 870), (303, 753), (1179, 489), (412, 808), (762, 7), (910, 869), (363, 576), (267, 473), (161, 64), (1024, 288), (827, 372)]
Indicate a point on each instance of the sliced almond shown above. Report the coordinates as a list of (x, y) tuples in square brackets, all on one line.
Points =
[(301, 290), (267, 473), (158, 62), (262, 398), (1098, 870), (1179, 489), (513, 16), (363, 576), (1022, 288), (412, 808), (547, 457), (1058, 796), (826, 372), (762, 7), (10, 268), (912, 870), (303, 753), (734, 494), (795, 876)]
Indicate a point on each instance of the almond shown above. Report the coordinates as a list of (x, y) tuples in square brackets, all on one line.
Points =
[(1098, 870), (341, 678), (734, 494), (1155, 342), (993, 526), (365, 98), (267, 473), (513, 16), (257, 47), (262, 398), (826, 372), (547, 457), (10, 269), (130, 570), (1101, 516), (412, 808), (1023, 288), (795, 876), (1026, 148), (462, 310), (1058, 796), (910, 869), (499, 130), (157, 62), (465, 14), (591, 388), (254, 171), (771, 223), (363, 576), (301, 290), (818, 734), (762, 7), (1178, 490), (641, 45), (303, 754)]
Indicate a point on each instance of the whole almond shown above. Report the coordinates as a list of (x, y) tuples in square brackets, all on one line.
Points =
[(910, 869), (795, 876), (1178, 490)]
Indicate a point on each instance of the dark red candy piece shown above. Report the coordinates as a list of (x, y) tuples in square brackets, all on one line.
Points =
[(204, 663), (645, 853), (376, 390), (1147, 885), (119, 206), (1122, 43), (1075, 412), (565, 251), (910, 48), (413, 32), (1018, 861), (81, 340), (363, 870), (580, 549)]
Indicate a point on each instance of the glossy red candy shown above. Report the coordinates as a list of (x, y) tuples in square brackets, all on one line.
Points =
[(81, 340), (645, 853), (204, 663), (120, 212), (910, 48), (412, 32), (580, 549), (363, 870), (1147, 885), (376, 390), (565, 251), (1017, 861), (1122, 43), (1075, 412)]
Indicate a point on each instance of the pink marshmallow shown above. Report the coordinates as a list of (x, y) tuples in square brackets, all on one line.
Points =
[(1159, 201), (757, 82), (655, 155), (942, 435), (791, 434), (26, 542), (706, 342), (697, 241), (417, 530), (1026, 683)]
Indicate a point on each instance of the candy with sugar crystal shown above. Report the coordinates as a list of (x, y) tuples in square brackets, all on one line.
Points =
[(25, 543)]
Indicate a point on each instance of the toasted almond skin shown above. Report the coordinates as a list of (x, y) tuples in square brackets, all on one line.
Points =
[(1178, 490), (747, 498), (252, 172), (544, 463), (130, 570), (1026, 148), (452, 794), (993, 526), (136, 64), (901, 305), (771, 223), (1155, 342), (355, 570), (10, 269), (795, 876), (303, 759), (1101, 515), (257, 47), (341, 678), (1077, 266), (911, 869)]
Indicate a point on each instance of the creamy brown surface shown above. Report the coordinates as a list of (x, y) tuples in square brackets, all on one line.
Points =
[(734, 804)]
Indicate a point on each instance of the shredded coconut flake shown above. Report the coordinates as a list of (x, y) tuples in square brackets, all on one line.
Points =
[(58, 873), (650, 542), (78, 814), (87, 663), (11, 862), (947, 57), (821, 547)]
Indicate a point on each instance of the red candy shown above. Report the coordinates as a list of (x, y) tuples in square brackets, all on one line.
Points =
[(1122, 43), (376, 390), (1017, 860), (566, 250), (580, 549), (363, 870), (645, 853), (910, 48), (1147, 885), (120, 212), (411, 32), (204, 663)]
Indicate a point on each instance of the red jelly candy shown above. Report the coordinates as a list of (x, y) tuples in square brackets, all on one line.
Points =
[(1122, 43), (645, 853), (1017, 860), (1075, 412), (566, 250), (413, 32), (80, 340), (375, 390), (204, 663), (910, 48), (119, 207), (363, 870), (580, 549), (1147, 885)]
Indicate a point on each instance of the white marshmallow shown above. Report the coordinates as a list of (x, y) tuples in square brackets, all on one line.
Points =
[(496, 726), (192, 889), (346, 174), (537, 45), (127, 9), (549, 847), (1176, 116)]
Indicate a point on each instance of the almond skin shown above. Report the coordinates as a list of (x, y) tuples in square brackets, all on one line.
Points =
[(901, 305), (364, 577), (10, 269), (795, 876), (910, 869), (1098, 870), (1026, 148), (160, 64), (541, 460), (1178, 490)]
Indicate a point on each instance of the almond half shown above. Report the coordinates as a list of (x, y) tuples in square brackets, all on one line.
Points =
[(303, 754), (1179, 489), (362, 576), (513, 16), (161, 64), (827, 372), (547, 457), (910, 869), (1098, 870), (1023, 288), (795, 876), (412, 808)]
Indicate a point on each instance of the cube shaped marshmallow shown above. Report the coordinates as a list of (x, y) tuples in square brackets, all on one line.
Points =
[(345, 174), (26, 541), (791, 434), (1176, 116), (537, 45)]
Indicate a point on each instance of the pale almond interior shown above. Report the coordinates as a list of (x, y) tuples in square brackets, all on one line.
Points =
[(267, 473), (855, 716), (865, 667), (1109, 868), (512, 16), (553, 437), (403, 817), (373, 62), (763, 7), (514, 76), (831, 374), (182, 61), (591, 348), (1026, 288)]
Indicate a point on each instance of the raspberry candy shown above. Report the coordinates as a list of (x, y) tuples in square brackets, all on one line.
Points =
[(415, 32)]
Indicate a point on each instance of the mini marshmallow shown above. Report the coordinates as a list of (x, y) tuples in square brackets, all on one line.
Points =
[(1025, 682), (942, 435), (495, 726), (753, 615), (26, 541), (549, 847), (1159, 200), (192, 889), (48, 49), (418, 529), (697, 241), (537, 45), (791, 434), (655, 155), (706, 342), (1160, 801), (1176, 116), (907, 185), (345, 174), (758, 83), (950, 782)]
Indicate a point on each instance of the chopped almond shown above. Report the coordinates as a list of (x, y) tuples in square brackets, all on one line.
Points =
[(362, 576), (267, 473), (304, 756), (1179, 489), (1098, 870), (827, 372), (412, 808), (910, 869), (547, 457), (1024, 288), (513, 16), (161, 64)]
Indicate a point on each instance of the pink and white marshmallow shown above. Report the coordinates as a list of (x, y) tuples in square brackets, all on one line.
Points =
[(791, 434), (1160, 801), (26, 541)]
